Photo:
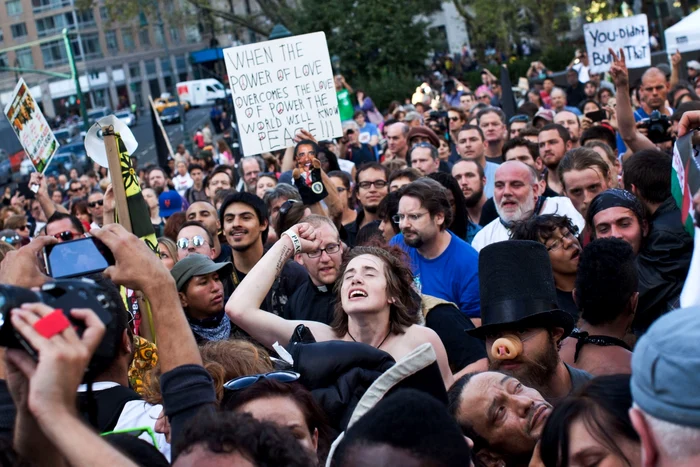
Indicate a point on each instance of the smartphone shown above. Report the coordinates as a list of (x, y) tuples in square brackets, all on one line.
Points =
[(77, 258), (597, 116)]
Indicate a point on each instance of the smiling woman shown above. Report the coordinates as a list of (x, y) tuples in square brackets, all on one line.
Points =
[(375, 305)]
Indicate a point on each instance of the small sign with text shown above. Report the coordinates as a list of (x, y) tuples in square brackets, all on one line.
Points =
[(630, 34)]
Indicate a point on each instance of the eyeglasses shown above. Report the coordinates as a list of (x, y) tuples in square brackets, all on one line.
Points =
[(454, 119), (66, 236), (94, 204), (519, 118), (330, 249), (485, 96), (287, 205), (197, 241), (411, 217), (377, 184), (24, 227), (13, 240), (243, 382), (558, 243)]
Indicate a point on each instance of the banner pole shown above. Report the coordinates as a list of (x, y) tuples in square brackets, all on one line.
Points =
[(115, 175)]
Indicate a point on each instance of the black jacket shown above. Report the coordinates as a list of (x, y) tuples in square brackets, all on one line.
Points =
[(309, 303), (338, 373), (662, 264)]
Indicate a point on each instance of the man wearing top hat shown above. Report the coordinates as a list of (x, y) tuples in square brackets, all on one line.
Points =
[(522, 325)]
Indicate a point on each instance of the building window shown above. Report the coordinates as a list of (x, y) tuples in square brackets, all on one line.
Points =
[(86, 18), (144, 38), (18, 30), (41, 5), (112, 44), (158, 33), (3, 60), (2, 35), (150, 67), (54, 54), (104, 13), (25, 59), (91, 45), (134, 70), (128, 39), (165, 66), (193, 35), (174, 35), (54, 24), (14, 8)]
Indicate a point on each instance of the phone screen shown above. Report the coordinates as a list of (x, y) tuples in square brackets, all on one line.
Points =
[(77, 258)]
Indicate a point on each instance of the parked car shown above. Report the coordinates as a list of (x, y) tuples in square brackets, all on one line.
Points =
[(62, 163), (170, 115), (127, 117), (83, 162), (5, 168), (96, 114)]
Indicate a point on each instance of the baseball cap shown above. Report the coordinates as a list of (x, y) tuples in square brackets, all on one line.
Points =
[(694, 64), (666, 368), (545, 114), (196, 265), (170, 202)]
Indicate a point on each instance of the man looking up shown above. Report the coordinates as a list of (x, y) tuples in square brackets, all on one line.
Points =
[(570, 121), (397, 142), (554, 141), (517, 198), (472, 180), (444, 265), (371, 187), (507, 434), (471, 145), (424, 157), (244, 220), (315, 299), (583, 174), (205, 212), (492, 122)]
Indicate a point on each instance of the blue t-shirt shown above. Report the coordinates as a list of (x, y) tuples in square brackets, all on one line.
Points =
[(452, 276)]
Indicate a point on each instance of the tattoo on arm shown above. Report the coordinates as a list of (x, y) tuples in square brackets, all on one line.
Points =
[(283, 258)]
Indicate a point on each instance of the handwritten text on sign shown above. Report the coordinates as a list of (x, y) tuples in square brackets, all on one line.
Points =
[(629, 34), (280, 87)]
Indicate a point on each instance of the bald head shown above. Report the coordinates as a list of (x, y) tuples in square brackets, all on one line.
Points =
[(653, 90), (397, 139), (558, 97), (653, 72), (517, 167)]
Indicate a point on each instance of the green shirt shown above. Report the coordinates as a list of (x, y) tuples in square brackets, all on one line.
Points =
[(345, 105)]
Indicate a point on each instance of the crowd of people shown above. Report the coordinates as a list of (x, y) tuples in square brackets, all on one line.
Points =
[(442, 285)]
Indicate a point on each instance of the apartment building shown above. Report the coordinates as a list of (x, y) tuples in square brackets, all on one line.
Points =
[(119, 63)]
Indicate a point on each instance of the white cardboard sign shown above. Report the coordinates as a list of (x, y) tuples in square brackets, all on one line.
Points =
[(280, 87), (630, 34)]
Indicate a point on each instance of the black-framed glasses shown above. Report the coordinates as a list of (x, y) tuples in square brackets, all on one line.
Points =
[(559, 242), (519, 118), (377, 184), (330, 249), (94, 204), (243, 382), (24, 227), (197, 241), (66, 236), (454, 119), (287, 205)]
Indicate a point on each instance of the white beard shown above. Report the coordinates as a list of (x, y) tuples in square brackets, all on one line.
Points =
[(524, 211)]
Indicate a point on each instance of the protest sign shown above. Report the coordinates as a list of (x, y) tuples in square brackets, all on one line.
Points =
[(31, 127), (280, 87), (630, 34)]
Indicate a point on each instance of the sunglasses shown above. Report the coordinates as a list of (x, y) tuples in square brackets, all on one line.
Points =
[(243, 382), (24, 227), (184, 243), (454, 119), (287, 205), (66, 236), (94, 204)]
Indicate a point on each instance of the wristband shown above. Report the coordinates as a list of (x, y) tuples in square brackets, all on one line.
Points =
[(295, 241)]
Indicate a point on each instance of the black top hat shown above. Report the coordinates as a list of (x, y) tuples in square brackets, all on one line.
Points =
[(517, 289)]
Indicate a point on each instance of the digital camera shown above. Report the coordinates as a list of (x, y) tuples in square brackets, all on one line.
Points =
[(657, 126)]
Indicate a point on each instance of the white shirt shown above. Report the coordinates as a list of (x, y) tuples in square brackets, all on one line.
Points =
[(136, 414), (346, 165), (497, 232), (583, 75), (182, 183)]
